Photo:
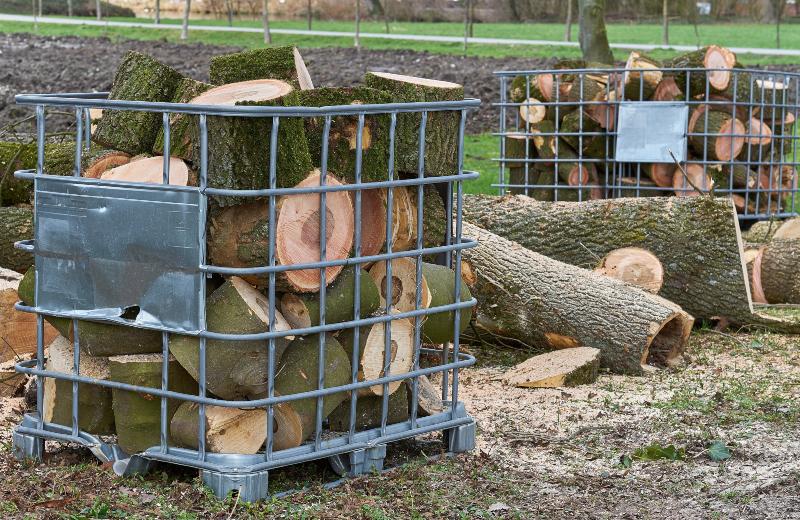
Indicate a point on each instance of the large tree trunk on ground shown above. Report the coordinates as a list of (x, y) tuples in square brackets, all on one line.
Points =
[(550, 305), (780, 271), (369, 411), (17, 329), (593, 36), (15, 224), (94, 402), (228, 430), (138, 78), (234, 369), (137, 416), (696, 239), (281, 63)]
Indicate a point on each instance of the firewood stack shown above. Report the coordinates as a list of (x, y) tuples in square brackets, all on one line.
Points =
[(128, 146), (742, 145)]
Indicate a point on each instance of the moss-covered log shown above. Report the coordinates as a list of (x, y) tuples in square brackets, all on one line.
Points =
[(302, 310), (184, 129), (780, 271), (441, 129), (684, 234), (227, 430), (641, 77), (715, 135), (562, 368), (547, 304), (234, 369), (138, 78), (15, 224), (282, 63), (95, 414), (711, 57), (59, 159), (342, 139), (137, 416), (96, 338), (369, 412), (439, 327), (520, 172)]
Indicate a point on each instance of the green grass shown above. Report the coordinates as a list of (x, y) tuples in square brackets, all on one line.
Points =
[(680, 34), (478, 153)]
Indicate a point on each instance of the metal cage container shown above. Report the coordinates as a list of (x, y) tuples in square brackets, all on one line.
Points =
[(580, 134), (180, 246)]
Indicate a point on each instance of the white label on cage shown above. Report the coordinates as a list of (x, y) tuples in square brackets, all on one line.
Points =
[(648, 130)]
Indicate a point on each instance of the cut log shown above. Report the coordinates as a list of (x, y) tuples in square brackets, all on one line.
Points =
[(641, 78), (228, 430), (234, 369), (297, 373), (404, 209), (302, 310), (342, 139), (369, 412), (714, 57), (532, 111), (752, 260), (789, 229), (59, 159), (440, 326), (706, 228), (103, 161), (373, 222), (281, 63), (526, 296), (404, 284), (634, 265), (183, 128), (150, 171), (238, 147), (662, 174), (541, 86), (761, 232), (441, 129), (17, 329), (668, 90), (96, 338), (238, 236), (586, 134), (695, 178), (429, 396), (724, 136), (16, 223), (138, 78), (95, 414), (137, 416), (780, 271), (545, 144), (562, 368), (372, 351)]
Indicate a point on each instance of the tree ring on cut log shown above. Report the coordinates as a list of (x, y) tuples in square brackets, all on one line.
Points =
[(662, 174), (758, 133), (373, 353), (696, 175), (404, 217), (790, 229), (150, 171), (668, 90), (634, 265), (254, 90), (404, 286), (581, 175), (532, 111), (373, 220), (297, 238), (722, 59), (721, 136)]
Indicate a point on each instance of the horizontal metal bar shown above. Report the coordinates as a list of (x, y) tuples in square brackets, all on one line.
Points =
[(610, 70), (25, 245)]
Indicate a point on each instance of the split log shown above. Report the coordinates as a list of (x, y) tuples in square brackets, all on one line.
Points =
[(405, 211), (439, 327), (16, 223), (297, 373), (95, 414), (281, 63), (532, 111), (151, 171), (238, 236), (59, 159), (545, 303), (724, 137), (238, 147), (302, 310), (545, 144), (17, 329), (342, 139), (780, 271), (404, 284), (96, 338), (752, 259), (228, 430), (138, 78), (634, 265), (137, 416), (695, 178), (441, 129), (429, 396), (369, 412), (711, 57), (641, 78), (541, 86), (668, 90), (562, 368), (705, 275), (234, 369), (183, 128)]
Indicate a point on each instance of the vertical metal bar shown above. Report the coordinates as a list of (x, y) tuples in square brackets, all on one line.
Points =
[(40, 121), (503, 100), (76, 171), (76, 364), (273, 200), (201, 308), (163, 438), (87, 128), (581, 113), (457, 266), (165, 124)]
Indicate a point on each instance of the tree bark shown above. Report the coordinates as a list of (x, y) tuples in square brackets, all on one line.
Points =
[(568, 23), (711, 57), (96, 6), (227, 430), (15, 224), (705, 275), (780, 271), (281, 63), (593, 36), (183, 128), (440, 326), (185, 25), (369, 412), (546, 304), (562, 368), (17, 328)]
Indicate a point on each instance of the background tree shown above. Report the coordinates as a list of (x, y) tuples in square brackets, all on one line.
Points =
[(185, 25), (665, 23), (97, 8), (568, 23), (593, 36), (265, 21), (158, 11), (358, 25), (309, 14), (779, 5)]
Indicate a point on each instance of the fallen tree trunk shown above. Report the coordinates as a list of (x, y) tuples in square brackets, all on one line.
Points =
[(705, 275), (16, 223), (17, 329), (547, 304), (281, 63)]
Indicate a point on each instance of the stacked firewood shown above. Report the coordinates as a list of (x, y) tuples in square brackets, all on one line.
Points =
[(130, 146), (772, 256), (736, 123)]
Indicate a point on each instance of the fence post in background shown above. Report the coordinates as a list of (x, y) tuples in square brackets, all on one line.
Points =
[(69, 8), (185, 26), (265, 17), (309, 15), (358, 25), (466, 25), (568, 23), (665, 28), (158, 11)]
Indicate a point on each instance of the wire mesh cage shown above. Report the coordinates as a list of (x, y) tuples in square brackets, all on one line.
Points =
[(139, 273), (576, 133)]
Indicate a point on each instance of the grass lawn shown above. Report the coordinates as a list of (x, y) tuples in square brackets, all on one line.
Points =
[(681, 34)]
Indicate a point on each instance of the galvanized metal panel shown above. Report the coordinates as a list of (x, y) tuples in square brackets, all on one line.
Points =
[(648, 130)]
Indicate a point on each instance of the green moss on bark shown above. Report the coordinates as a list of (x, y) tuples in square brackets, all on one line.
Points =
[(270, 63), (183, 128)]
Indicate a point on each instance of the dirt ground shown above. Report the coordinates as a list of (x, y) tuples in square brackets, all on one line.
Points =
[(540, 453)]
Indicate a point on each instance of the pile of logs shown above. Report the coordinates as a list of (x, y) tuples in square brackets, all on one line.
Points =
[(748, 139)]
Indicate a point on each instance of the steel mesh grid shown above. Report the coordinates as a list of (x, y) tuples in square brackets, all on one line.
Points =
[(759, 172), (451, 359)]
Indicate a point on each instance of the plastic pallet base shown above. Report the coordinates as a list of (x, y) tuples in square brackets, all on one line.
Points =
[(27, 447), (250, 486), (359, 462), (460, 439)]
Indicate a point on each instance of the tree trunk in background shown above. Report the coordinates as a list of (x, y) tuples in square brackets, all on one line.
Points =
[(158, 11), (358, 25), (265, 19), (69, 8), (466, 24), (779, 7), (471, 18), (309, 15), (40, 7), (665, 29), (385, 10), (568, 24), (593, 36), (185, 26), (229, 9), (99, 12)]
